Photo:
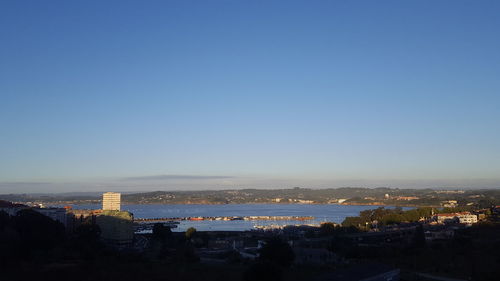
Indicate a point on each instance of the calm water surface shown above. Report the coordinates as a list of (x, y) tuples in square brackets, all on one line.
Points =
[(321, 213)]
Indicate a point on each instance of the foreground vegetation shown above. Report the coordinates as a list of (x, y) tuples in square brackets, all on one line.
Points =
[(34, 246), (383, 216)]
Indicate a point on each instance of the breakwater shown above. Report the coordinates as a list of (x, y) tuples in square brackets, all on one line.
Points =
[(229, 218)]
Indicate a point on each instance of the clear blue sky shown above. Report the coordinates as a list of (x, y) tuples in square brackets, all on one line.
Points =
[(221, 94)]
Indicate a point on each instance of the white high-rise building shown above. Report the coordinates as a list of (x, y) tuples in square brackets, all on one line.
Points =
[(111, 201)]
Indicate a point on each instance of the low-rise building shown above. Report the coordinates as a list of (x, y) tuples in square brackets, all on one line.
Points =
[(467, 218), (446, 218), (462, 217), (116, 228), (439, 234), (57, 214), (79, 217), (449, 203), (302, 201), (406, 198), (83, 214)]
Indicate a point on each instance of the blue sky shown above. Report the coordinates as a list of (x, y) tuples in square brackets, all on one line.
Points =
[(139, 95)]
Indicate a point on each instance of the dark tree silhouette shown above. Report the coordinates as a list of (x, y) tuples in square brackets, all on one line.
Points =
[(190, 233), (327, 228), (38, 231), (4, 220), (185, 253), (86, 240), (161, 240), (161, 233), (419, 238), (263, 271), (278, 252)]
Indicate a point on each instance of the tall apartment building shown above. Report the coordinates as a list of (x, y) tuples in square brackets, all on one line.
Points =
[(111, 201)]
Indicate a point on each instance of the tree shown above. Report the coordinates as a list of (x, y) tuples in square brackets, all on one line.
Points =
[(419, 238), (327, 228), (353, 221), (161, 233), (190, 233), (4, 220), (392, 218), (38, 231), (278, 252), (185, 253), (263, 271), (86, 240), (87, 234)]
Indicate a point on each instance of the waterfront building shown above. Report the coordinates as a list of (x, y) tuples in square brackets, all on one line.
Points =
[(111, 201), (116, 227)]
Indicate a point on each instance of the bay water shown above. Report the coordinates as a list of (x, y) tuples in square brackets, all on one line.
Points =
[(321, 213)]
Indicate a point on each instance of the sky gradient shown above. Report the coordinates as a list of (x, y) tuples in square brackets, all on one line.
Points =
[(142, 95)]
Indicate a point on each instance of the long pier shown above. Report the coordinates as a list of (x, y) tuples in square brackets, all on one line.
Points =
[(236, 218)]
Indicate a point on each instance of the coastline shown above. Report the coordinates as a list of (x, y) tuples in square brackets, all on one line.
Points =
[(249, 203)]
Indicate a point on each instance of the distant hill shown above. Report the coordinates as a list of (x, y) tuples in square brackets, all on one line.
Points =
[(346, 195)]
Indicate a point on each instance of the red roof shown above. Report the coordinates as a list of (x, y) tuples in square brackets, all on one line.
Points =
[(453, 214), (446, 215)]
